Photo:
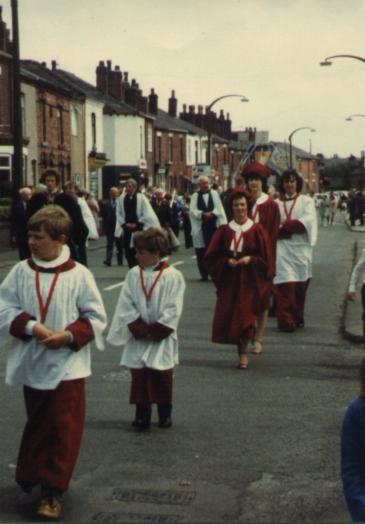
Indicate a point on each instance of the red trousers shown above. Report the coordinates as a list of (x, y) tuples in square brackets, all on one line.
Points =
[(151, 386), (52, 435), (290, 300)]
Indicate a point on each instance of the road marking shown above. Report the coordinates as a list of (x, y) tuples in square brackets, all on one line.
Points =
[(178, 263), (113, 286)]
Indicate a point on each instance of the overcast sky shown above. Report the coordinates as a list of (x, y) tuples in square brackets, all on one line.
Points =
[(267, 50)]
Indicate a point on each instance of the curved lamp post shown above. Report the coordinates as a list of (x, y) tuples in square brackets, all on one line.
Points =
[(327, 61), (350, 117), (290, 142), (207, 110)]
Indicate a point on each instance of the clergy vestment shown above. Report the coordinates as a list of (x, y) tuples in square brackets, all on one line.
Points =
[(297, 236), (241, 289)]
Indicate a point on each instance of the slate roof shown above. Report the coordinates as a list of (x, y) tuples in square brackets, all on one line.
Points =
[(301, 153), (71, 85)]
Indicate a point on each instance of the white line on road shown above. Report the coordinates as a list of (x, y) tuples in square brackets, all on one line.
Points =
[(178, 263), (113, 286)]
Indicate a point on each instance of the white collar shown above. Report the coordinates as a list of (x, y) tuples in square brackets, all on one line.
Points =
[(150, 269), (241, 228), (262, 198), (61, 259)]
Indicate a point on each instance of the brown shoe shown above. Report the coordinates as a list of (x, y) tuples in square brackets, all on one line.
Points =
[(50, 508)]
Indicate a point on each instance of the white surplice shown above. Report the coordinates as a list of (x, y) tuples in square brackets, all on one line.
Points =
[(75, 296), (196, 217), (145, 214), (164, 306)]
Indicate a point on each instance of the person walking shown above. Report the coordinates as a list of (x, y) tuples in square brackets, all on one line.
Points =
[(206, 215), (145, 325), (297, 237), (52, 309), (18, 222), (108, 213), (264, 211), (238, 260), (133, 213)]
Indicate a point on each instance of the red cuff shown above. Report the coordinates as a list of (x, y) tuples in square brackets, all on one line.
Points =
[(158, 331), (17, 327), (138, 328), (82, 333), (294, 226)]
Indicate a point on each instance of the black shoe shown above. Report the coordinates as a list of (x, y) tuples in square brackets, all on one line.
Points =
[(142, 419), (107, 263), (300, 323), (287, 328), (165, 423)]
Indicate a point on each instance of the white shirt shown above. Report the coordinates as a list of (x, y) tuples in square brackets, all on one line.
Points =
[(164, 306), (75, 295)]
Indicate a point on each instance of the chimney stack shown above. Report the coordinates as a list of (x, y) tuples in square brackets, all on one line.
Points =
[(173, 105), (54, 65), (115, 83), (153, 102), (102, 77)]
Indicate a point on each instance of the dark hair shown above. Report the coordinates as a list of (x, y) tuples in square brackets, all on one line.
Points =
[(256, 175), (152, 240), (50, 172), (53, 219), (286, 175), (235, 195)]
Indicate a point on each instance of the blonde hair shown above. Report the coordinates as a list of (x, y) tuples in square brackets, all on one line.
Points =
[(53, 219)]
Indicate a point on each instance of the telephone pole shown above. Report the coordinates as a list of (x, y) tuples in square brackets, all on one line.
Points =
[(17, 165)]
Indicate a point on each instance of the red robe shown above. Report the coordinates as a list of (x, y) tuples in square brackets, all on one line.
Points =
[(268, 215), (240, 290)]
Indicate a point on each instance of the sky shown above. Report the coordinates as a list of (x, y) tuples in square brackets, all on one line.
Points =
[(266, 50)]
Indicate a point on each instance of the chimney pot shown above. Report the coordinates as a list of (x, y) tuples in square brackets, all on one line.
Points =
[(109, 64), (54, 65), (44, 64), (173, 93)]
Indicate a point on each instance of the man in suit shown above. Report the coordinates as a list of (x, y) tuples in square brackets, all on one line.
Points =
[(108, 213), (18, 221)]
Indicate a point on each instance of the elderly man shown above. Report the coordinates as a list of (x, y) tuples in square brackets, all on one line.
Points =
[(18, 221), (206, 215), (108, 213), (54, 195), (134, 213)]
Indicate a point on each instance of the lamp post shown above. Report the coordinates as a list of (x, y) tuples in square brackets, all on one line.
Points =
[(350, 117), (291, 145), (327, 61), (17, 171), (208, 110)]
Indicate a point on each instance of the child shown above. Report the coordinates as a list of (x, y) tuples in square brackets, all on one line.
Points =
[(53, 309), (145, 323), (358, 273)]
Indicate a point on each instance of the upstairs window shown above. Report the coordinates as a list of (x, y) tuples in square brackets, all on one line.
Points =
[(59, 117)]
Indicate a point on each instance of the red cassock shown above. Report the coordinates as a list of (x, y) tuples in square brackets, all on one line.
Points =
[(268, 215), (240, 290)]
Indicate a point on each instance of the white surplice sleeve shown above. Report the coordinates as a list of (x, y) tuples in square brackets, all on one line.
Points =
[(358, 272), (146, 214), (172, 300), (218, 210), (9, 299), (309, 219)]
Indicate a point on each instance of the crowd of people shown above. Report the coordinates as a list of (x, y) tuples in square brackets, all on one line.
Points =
[(256, 249)]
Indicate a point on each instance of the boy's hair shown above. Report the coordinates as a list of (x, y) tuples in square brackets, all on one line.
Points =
[(53, 219), (152, 240), (50, 172)]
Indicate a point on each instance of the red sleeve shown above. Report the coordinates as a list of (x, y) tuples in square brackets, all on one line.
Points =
[(263, 261), (138, 328), (82, 333), (17, 327), (158, 331), (293, 226)]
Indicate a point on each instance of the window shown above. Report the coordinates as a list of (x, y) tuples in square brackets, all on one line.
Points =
[(59, 125), (43, 108), (170, 149), (5, 168), (74, 115), (22, 108), (93, 130), (149, 139)]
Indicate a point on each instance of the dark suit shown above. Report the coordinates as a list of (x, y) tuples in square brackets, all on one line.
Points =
[(18, 227), (108, 208)]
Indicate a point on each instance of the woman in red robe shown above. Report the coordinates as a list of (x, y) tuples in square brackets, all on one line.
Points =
[(238, 260), (264, 211)]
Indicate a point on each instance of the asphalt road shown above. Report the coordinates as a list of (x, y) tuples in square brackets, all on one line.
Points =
[(260, 445)]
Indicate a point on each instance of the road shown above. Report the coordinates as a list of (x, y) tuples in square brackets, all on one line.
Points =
[(260, 445)]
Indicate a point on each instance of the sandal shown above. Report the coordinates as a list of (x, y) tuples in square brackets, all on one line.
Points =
[(243, 364), (257, 347)]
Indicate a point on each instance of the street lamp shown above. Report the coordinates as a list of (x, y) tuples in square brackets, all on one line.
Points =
[(350, 117), (208, 109), (290, 142), (327, 61)]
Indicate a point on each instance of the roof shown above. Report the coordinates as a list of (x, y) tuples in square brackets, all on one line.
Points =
[(72, 86), (301, 153), (166, 122)]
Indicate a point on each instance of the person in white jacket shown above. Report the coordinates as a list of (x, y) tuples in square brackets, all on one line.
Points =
[(206, 215), (133, 213), (145, 325), (358, 275)]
